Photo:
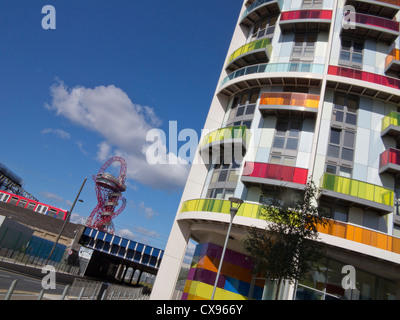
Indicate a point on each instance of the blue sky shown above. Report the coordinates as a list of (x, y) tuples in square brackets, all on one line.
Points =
[(72, 97)]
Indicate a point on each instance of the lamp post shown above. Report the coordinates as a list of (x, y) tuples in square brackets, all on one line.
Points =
[(235, 204), (66, 220)]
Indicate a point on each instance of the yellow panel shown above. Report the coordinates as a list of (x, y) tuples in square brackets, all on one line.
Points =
[(188, 284)]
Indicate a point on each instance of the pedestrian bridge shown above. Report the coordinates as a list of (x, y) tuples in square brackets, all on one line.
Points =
[(112, 256)]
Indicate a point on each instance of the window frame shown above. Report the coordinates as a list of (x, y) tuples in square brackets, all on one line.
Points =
[(304, 47), (352, 53), (284, 151), (343, 167)]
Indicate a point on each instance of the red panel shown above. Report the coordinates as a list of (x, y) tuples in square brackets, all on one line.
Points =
[(306, 14), (276, 172), (300, 175), (365, 76)]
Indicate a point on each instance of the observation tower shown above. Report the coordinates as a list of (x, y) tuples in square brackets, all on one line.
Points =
[(109, 196)]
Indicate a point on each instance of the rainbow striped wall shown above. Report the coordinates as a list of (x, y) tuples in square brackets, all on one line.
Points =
[(235, 279)]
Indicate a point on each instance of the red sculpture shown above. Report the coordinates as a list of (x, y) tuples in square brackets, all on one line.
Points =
[(109, 194)]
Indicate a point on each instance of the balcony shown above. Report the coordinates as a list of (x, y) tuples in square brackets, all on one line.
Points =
[(288, 103), (252, 53), (274, 174), (258, 9), (358, 193), (301, 74), (386, 89), (305, 20), (334, 228), (383, 8), (389, 161), (392, 62), (391, 124), (230, 141), (248, 210), (361, 235), (373, 27)]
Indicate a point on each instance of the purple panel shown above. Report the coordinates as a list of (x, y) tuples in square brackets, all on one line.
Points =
[(191, 274)]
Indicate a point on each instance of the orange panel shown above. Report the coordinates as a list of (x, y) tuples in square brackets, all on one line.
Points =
[(396, 245), (366, 237), (374, 239), (340, 231), (358, 234), (350, 232), (209, 264), (382, 241)]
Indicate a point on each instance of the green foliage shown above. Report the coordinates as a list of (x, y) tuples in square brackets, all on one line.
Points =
[(289, 249)]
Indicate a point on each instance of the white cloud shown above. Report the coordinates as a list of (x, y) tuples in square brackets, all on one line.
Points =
[(149, 212), (123, 125), (80, 146), (58, 132), (140, 234), (55, 197), (104, 151)]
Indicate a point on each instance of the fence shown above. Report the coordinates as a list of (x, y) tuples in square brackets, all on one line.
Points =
[(20, 248), (86, 290)]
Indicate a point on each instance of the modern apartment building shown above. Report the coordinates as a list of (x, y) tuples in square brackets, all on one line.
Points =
[(309, 89)]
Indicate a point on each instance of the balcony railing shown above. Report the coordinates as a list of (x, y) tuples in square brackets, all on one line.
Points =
[(378, 22), (374, 27), (364, 76), (305, 20), (361, 235), (306, 15), (392, 61), (272, 5), (393, 2), (249, 210), (275, 172), (234, 132), (334, 228), (389, 161), (261, 49), (391, 124), (275, 67), (360, 192), (275, 101)]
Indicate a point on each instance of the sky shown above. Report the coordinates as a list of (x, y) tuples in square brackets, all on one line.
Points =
[(93, 87)]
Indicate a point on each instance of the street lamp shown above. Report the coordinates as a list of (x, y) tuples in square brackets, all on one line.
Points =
[(235, 205), (66, 221)]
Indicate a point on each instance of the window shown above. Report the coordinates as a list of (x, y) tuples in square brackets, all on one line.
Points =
[(220, 193), (13, 200), (52, 213), (31, 206), (243, 108), (263, 28), (22, 203), (304, 47), (287, 135), (341, 143), (351, 53), (223, 181), (4, 197), (312, 4)]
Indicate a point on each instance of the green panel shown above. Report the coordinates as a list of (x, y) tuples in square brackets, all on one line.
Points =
[(357, 189), (393, 118), (258, 44), (239, 132)]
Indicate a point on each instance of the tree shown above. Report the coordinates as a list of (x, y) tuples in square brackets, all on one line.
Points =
[(289, 248)]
